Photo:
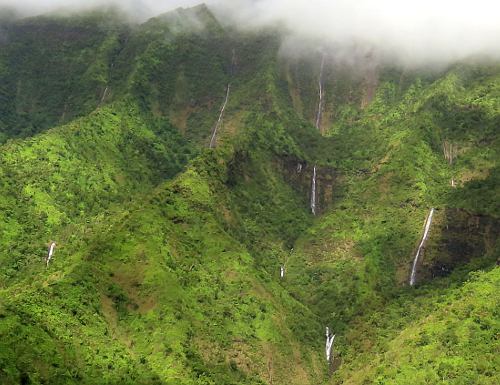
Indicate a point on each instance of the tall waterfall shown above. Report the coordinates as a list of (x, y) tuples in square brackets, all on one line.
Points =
[(219, 121), (318, 124), (313, 192), (428, 223), (213, 139), (321, 93), (104, 94)]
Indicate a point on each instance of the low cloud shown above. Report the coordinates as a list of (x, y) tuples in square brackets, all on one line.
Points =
[(411, 32), (418, 32)]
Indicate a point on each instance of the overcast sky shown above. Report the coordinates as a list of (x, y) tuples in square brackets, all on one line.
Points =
[(420, 30)]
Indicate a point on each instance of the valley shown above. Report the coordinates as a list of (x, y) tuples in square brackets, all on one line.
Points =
[(215, 204)]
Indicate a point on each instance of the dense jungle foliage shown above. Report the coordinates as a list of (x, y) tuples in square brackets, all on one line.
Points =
[(168, 256)]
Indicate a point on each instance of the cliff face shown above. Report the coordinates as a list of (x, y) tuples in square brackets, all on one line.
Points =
[(459, 238), (299, 174)]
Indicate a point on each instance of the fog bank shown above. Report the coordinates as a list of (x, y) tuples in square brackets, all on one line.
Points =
[(427, 31)]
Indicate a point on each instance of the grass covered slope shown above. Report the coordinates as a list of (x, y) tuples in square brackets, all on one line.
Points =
[(447, 336), (355, 260), (160, 294), (55, 68), (154, 284), (74, 174), (152, 281), (391, 180), (167, 264)]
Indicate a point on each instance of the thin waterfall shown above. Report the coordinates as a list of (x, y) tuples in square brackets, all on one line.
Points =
[(318, 124), (321, 93), (50, 253), (219, 121), (313, 192), (421, 246), (329, 344), (104, 94), (213, 139)]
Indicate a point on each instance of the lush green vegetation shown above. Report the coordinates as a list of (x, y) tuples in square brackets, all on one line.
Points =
[(167, 264)]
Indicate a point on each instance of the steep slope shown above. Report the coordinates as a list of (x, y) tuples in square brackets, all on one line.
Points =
[(391, 156), (168, 253), (446, 336), (151, 282), (53, 69), (74, 174), (161, 293)]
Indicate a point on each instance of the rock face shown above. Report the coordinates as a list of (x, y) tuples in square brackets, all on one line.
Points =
[(299, 174), (461, 237)]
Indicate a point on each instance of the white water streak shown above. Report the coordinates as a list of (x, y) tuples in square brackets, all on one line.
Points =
[(329, 345), (223, 109), (428, 223), (219, 121), (104, 94), (313, 192), (321, 93), (50, 253)]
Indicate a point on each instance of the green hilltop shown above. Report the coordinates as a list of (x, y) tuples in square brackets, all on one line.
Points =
[(168, 256)]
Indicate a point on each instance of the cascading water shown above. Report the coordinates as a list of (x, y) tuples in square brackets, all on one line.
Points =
[(213, 139), (219, 121), (104, 94), (313, 192), (329, 345), (50, 253), (318, 124), (421, 246), (321, 93)]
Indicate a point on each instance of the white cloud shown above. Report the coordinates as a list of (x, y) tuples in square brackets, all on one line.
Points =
[(414, 31)]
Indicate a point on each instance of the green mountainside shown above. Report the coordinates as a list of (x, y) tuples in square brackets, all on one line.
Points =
[(168, 256)]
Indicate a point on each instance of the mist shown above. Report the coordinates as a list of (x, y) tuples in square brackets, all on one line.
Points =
[(408, 32)]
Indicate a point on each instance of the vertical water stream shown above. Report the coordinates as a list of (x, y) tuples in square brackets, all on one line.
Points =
[(213, 139), (313, 192), (318, 126), (219, 121), (421, 246)]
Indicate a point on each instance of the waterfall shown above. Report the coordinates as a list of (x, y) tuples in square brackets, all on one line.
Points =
[(421, 246), (50, 252), (313, 192), (329, 345), (223, 108), (219, 121), (318, 124), (104, 94), (282, 272), (321, 93)]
